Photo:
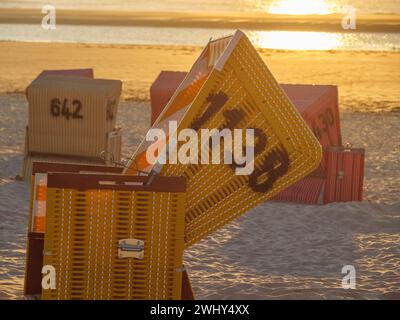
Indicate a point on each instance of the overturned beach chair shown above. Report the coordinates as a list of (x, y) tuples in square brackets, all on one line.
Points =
[(230, 86), (108, 236), (319, 107)]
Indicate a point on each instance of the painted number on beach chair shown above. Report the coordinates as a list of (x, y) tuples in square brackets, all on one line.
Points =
[(58, 108), (327, 120), (275, 164)]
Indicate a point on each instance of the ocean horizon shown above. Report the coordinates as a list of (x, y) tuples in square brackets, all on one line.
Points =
[(144, 35)]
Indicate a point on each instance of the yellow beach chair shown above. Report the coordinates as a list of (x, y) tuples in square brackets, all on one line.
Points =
[(107, 236)]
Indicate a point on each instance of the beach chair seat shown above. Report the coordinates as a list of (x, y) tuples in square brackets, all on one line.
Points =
[(71, 118)]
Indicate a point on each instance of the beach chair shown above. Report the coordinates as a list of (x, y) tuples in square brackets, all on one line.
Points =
[(73, 118), (229, 86), (108, 236), (71, 115), (317, 104), (340, 175)]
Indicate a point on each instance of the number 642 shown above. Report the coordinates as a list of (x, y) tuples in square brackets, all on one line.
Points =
[(58, 108)]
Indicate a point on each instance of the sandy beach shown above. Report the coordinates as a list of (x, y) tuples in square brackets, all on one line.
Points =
[(277, 251), (280, 251)]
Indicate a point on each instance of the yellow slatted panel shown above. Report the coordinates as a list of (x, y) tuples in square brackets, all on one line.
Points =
[(35, 223), (83, 229), (240, 83)]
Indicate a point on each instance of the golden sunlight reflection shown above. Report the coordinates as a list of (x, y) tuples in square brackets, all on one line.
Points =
[(299, 7), (295, 40)]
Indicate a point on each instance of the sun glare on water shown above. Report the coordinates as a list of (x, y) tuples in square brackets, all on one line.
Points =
[(299, 7), (295, 40)]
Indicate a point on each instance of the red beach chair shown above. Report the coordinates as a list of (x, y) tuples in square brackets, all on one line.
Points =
[(162, 90)]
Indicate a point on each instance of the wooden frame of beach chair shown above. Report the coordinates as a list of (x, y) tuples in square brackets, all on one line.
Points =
[(229, 86), (35, 239)]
